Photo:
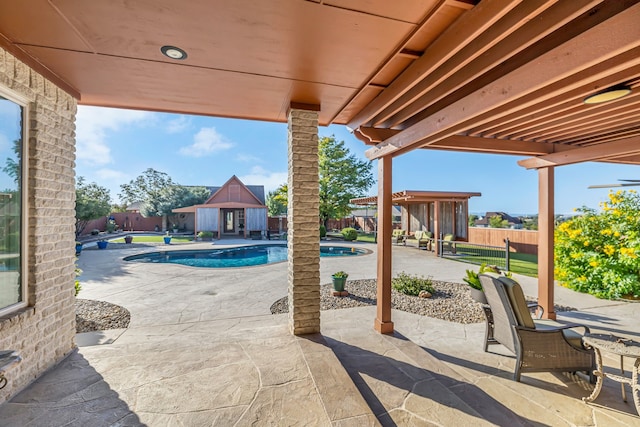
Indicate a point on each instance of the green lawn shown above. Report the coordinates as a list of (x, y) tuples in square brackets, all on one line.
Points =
[(156, 239), (526, 264)]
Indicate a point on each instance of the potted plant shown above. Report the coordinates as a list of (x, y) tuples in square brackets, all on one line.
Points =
[(102, 244), (167, 239), (473, 281), (78, 248), (128, 239), (339, 279), (175, 228)]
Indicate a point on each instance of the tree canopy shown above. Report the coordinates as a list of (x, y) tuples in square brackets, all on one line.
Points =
[(496, 221), (342, 177), (92, 202), (159, 194), (277, 200)]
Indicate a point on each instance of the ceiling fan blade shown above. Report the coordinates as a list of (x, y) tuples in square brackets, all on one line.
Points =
[(614, 185)]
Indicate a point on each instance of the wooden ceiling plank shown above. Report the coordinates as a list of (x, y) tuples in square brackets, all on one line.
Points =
[(594, 138), (615, 36), (586, 154), (597, 124), (568, 116), (549, 108), (518, 30), (463, 31)]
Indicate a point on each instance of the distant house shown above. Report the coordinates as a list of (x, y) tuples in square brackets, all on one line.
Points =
[(232, 209), (512, 221)]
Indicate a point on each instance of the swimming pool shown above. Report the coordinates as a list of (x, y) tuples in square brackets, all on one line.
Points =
[(243, 256)]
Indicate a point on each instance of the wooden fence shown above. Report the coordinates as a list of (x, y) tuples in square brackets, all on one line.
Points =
[(522, 241)]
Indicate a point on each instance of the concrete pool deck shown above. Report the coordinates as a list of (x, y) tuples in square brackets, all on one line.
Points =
[(203, 349)]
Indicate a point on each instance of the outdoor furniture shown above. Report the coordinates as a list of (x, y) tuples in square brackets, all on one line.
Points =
[(539, 345), (622, 347), (448, 243), (398, 236), (421, 239)]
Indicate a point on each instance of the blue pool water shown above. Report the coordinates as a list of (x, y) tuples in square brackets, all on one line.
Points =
[(243, 256)]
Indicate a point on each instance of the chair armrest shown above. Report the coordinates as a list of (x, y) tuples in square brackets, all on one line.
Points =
[(539, 308)]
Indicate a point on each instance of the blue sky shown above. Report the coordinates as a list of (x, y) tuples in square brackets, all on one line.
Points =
[(115, 146)]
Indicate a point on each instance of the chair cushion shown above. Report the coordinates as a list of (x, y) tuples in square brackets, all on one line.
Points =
[(418, 235), (428, 235), (574, 338), (518, 302), (448, 237), (396, 233)]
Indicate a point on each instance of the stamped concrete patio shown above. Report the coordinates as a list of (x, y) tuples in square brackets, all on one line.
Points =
[(203, 349)]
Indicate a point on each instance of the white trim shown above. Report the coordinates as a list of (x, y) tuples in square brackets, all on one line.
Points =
[(23, 102)]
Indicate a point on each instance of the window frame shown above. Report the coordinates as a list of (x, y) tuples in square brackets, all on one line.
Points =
[(23, 102)]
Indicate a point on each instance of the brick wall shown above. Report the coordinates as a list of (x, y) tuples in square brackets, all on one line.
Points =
[(43, 333)]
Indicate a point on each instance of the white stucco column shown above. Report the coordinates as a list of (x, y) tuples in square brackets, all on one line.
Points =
[(303, 235)]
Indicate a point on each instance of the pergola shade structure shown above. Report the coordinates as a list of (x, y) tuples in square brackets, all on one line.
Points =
[(441, 212), (489, 76)]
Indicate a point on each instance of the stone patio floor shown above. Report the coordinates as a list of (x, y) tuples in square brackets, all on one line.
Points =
[(203, 350)]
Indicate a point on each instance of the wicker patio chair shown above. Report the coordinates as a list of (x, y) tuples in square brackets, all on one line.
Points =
[(398, 236), (539, 345)]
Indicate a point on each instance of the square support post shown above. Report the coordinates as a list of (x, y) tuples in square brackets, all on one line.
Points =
[(545, 241), (383, 323), (303, 236), (436, 227)]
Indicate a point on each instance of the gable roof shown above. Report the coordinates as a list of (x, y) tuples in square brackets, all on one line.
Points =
[(255, 191), (489, 215)]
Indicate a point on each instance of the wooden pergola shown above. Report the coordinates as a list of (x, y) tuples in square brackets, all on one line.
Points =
[(435, 203), (489, 76)]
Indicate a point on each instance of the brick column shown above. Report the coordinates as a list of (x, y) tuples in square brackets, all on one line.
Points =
[(303, 235)]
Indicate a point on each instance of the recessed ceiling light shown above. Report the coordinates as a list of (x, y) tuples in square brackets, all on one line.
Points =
[(610, 94), (173, 52)]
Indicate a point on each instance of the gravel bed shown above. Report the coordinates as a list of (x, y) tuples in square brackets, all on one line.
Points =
[(450, 301), (94, 315)]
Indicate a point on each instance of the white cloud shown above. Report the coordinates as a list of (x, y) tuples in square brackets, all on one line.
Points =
[(92, 124), (248, 158), (207, 141), (112, 175), (260, 176), (178, 125)]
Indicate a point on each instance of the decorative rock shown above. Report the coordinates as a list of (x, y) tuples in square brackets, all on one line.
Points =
[(425, 294)]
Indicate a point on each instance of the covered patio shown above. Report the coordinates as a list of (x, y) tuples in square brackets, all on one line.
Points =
[(193, 355), (490, 76)]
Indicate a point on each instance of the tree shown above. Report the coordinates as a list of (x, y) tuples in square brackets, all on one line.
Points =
[(472, 220), (598, 252), (145, 187), (277, 200), (92, 202), (12, 166), (496, 221), (342, 177), (172, 197)]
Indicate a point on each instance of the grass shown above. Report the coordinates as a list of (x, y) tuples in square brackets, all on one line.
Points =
[(156, 239), (526, 264)]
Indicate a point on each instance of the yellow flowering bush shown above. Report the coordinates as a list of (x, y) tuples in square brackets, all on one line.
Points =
[(597, 252)]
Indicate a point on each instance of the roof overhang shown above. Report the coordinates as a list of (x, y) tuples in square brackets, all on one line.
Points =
[(495, 76), (410, 196)]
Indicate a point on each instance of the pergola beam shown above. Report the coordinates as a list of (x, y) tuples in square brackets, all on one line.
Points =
[(521, 28), (462, 32), (609, 150), (618, 35)]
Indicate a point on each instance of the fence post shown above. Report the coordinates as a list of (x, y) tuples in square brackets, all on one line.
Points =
[(506, 255)]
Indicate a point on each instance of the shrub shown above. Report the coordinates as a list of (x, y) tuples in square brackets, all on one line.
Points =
[(77, 285), (95, 232), (349, 234), (205, 234), (323, 231), (597, 252), (411, 284)]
